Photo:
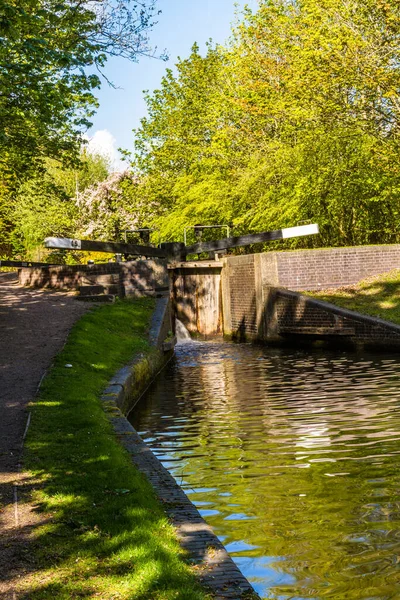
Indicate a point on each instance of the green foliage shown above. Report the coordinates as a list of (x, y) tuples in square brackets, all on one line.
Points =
[(297, 119), (48, 55), (52, 53), (46, 204), (42, 208), (88, 170)]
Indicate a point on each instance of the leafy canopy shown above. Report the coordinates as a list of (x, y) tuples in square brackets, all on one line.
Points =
[(296, 119), (52, 53)]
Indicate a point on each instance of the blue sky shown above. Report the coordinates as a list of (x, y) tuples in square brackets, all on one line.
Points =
[(181, 23)]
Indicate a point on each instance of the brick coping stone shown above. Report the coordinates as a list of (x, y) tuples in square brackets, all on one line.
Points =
[(213, 566)]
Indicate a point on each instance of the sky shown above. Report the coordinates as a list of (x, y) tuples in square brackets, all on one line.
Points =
[(181, 23)]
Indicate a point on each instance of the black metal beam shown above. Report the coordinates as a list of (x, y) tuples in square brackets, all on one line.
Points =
[(111, 247), (254, 238), (23, 263)]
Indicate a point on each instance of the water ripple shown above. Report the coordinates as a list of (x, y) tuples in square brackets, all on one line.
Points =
[(293, 457)]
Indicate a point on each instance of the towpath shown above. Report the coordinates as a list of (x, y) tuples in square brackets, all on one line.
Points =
[(34, 325)]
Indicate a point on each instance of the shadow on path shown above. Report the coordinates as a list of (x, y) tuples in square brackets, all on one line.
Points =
[(34, 325)]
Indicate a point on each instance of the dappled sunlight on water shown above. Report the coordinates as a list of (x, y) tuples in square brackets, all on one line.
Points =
[(293, 457)]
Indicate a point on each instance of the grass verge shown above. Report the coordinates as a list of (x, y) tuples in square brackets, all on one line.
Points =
[(377, 296), (103, 533)]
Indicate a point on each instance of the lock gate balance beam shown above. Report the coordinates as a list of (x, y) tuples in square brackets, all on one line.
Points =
[(111, 247), (253, 238)]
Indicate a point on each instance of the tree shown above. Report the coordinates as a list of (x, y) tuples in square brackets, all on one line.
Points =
[(181, 148), (49, 54), (297, 119), (52, 53), (45, 205), (103, 210), (319, 87)]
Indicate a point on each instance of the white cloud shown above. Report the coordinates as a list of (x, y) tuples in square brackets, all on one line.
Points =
[(103, 142)]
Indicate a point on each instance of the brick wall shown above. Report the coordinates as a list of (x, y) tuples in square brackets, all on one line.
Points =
[(320, 269), (292, 310), (242, 295), (331, 267), (256, 308)]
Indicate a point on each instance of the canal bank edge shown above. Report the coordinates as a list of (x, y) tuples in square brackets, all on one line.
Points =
[(214, 567), (130, 382)]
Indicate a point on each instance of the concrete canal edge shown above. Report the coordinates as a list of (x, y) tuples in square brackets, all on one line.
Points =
[(215, 569)]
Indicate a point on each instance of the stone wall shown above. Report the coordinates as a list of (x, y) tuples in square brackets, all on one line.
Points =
[(136, 277), (233, 297), (144, 277), (64, 277)]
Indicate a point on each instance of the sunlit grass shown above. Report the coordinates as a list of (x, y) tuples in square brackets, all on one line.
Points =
[(377, 296), (104, 533)]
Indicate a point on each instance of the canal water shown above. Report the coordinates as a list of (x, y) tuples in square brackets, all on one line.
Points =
[(293, 457)]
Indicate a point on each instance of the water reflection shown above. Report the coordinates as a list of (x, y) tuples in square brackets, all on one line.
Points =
[(293, 458)]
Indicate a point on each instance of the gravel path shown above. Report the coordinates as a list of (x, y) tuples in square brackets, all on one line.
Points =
[(34, 325)]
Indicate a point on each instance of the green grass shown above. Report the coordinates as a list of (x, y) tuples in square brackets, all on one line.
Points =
[(103, 534), (377, 296)]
